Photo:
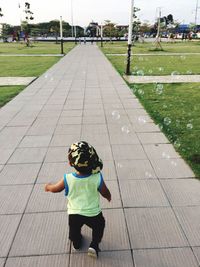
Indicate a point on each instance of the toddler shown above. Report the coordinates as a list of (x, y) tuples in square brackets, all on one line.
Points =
[(82, 189)]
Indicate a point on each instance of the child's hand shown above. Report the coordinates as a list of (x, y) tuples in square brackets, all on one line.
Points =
[(46, 188), (109, 198)]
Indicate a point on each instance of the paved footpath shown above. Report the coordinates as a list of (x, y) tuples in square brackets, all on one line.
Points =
[(154, 217)]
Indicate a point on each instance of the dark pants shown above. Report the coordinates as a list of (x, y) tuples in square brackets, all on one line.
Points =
[(96, 223)]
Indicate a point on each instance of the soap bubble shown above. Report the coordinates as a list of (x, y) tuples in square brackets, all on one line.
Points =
[(167, 121), (173, 163), (182, 57), (161, 69), (160, 126), (148, 174), (189, 72), (135, 68), (164, 106), (165, 155), (174, 73), (133, 73), (189, 126), (140, 73), (135, 88), (150, 71), (140, 92), (51, 79), (46, 76), (170, 137), (119, 165), (125, 129), (115, 115), (159, 88), (177, 143), (142, 120), (140, 58), (178, 122)]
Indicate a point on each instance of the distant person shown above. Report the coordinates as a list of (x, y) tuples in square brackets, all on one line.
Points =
[(82, 189)]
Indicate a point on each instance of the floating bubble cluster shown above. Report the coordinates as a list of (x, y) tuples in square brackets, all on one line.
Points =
[(167, 121), (150, 71)]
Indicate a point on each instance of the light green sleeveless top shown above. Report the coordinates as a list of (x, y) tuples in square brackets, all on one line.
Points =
[(82, 194)]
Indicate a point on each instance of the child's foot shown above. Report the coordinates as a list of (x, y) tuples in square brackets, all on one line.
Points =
[(93, 250)]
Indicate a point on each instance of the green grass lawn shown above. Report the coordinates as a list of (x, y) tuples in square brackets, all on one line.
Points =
[(35, 48), (15, 66), (8, 92), (158, 65), (177, 47), (25, 66), (176, 109)]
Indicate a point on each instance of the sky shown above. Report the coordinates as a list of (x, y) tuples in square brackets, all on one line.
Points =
[(84, 11)]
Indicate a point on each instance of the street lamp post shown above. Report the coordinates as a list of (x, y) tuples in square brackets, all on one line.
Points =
[(130, 28), (61, 35), (196, 12), (72, 18), (101, 35)]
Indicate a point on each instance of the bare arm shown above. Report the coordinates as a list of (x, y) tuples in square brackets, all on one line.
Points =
[(55, 188), (104, 191)]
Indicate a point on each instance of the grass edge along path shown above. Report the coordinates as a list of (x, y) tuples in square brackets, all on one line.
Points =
[(175, 108), (7, 93), (180, 146)]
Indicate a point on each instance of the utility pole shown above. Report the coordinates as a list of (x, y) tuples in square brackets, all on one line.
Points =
[(130, 29)]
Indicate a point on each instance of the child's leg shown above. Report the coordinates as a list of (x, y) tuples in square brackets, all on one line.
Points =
[(75, 224), (97, 224)]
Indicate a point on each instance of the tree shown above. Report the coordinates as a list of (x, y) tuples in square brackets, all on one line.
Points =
[(1, 14), (7, 30), (109, 29)]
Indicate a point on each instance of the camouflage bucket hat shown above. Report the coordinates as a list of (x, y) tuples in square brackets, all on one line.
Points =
[(83, 157)]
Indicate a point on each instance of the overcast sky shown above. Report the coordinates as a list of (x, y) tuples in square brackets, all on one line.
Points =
[(85, 11)]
